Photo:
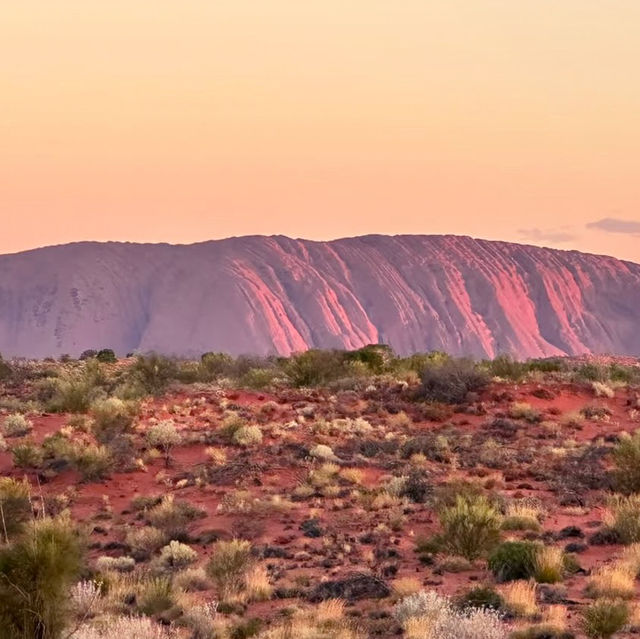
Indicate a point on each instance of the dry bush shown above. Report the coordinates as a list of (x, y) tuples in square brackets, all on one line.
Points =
[(427, 615), (146, 540), (176, 556), (165, 436), (406, 586), (124, 628), (16, 425), (247, 436), (115, 564), (85, 599)]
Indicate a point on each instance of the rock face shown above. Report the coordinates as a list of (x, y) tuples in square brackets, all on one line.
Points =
[(278, 295)]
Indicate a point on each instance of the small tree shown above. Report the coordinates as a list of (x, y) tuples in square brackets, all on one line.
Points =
[(164, 436), (106, 356)]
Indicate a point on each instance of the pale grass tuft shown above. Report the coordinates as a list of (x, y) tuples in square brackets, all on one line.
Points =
[(556, 617), (352, 475), (549, 564), (330, 611), (522, 515), (612, 582), (257, 584), (520, 598), (405, 586), (631, 559)]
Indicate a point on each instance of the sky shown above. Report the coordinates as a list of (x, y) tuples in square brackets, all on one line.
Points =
[(158, 120)]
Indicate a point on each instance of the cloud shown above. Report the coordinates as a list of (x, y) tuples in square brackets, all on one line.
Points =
[(558, 236), (616, 225)]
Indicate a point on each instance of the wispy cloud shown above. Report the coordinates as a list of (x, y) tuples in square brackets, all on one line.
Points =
[(557, 236), (616, 225)]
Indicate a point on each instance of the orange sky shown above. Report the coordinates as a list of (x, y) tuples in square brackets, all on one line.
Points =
[(165, 120)]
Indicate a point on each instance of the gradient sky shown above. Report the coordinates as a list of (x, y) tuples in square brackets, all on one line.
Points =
[(180, 121)]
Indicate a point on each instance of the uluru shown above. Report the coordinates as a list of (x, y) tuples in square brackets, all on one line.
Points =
[(277, 295)]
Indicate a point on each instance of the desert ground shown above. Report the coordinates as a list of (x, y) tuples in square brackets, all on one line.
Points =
[(422, 497)]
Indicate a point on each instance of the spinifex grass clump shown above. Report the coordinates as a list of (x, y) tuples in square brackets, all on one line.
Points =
[(471, 527), (36, 573), (626, 456), (15, 507)]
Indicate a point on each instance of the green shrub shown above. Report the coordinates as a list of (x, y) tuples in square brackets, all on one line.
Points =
[(155, 596), (246, 629), (36, 573), (315, 367), (27, 455), (626, 457), (214, 365), (173, 517), (57, 447), (154, 372), (603, 618), (5, 370), (259, 378), (591, 372), (483, 597), (471, 527), (91, 461), (228, 566), (15, 506), (513, 560), (506, 367), (106, 356), (451, 381), (74, 392), (112, 418)]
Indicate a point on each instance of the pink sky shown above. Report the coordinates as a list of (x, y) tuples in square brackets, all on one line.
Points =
[(157, 120)]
